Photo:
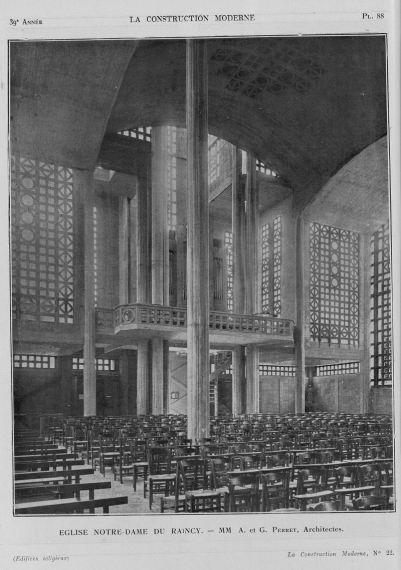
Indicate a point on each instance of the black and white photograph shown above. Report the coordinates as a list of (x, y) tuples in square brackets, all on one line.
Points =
[(201, 275), (201, 284)]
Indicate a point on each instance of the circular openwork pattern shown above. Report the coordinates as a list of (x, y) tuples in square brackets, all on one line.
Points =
[(27, 183), (27, 200), (27, 218), (27, 235), (128, 315)]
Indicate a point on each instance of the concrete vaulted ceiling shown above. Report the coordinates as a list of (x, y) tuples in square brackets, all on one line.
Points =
[(305, 106), (62, 94)]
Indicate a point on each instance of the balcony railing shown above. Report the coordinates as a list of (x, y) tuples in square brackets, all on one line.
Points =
[(139, 314)]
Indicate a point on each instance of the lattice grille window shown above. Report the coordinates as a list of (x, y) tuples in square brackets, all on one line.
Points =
[(102, 364), (228, 242), (271, 267), (380, 309), (42, 241), (141, 133), (277, 266), (334, 285), (337, 369), (215, 145), (34, 361), (261, 167), (276, 370), (265, 269)]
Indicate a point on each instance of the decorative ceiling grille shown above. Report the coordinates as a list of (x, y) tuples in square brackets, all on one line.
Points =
[(255, 66)]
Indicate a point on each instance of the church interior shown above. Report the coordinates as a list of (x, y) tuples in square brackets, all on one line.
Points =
[(201, 275)]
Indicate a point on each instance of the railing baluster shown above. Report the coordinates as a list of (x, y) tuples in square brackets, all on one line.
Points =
[(139, 313)]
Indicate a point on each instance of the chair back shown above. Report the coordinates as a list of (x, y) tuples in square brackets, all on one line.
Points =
[(159, 459)]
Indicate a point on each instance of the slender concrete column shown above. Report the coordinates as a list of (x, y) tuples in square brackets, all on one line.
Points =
[(198, 240), (157, 375), (251, 236), (300, 325), (159, 217), (143, 288), (251, 284), (160, 255), (166, 376), (124, 250), (133, 249), (86, 181), (239, 282), (143, 377), (252, 379), (124, 383), (238, 382), (181, 232), (143, 237), (239, 233)]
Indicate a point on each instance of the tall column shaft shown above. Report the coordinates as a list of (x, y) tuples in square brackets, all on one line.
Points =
[(251, 236), (124, 250), (142, 401), (143, 284), (300, 325), (143, 238), (198, 240), (124, 383), (252, 379), (239, 233), (133, 249), (238, 381), (89, 296), (159, 217), (157, 376)]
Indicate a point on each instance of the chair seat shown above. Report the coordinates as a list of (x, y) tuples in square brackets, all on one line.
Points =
[(165, 477), (203, 493), (318, 495)]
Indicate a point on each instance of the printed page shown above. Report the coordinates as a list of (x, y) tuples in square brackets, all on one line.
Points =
[(310, 92)]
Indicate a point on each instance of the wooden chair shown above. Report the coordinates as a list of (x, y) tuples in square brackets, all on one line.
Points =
[(124, 464), (369, 503), (139, 459), (190, 478), (311, 481), (386, 481), (243, 493), (275, 491), (369, 475), (160, 478), (345, 476), (219, 477)]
